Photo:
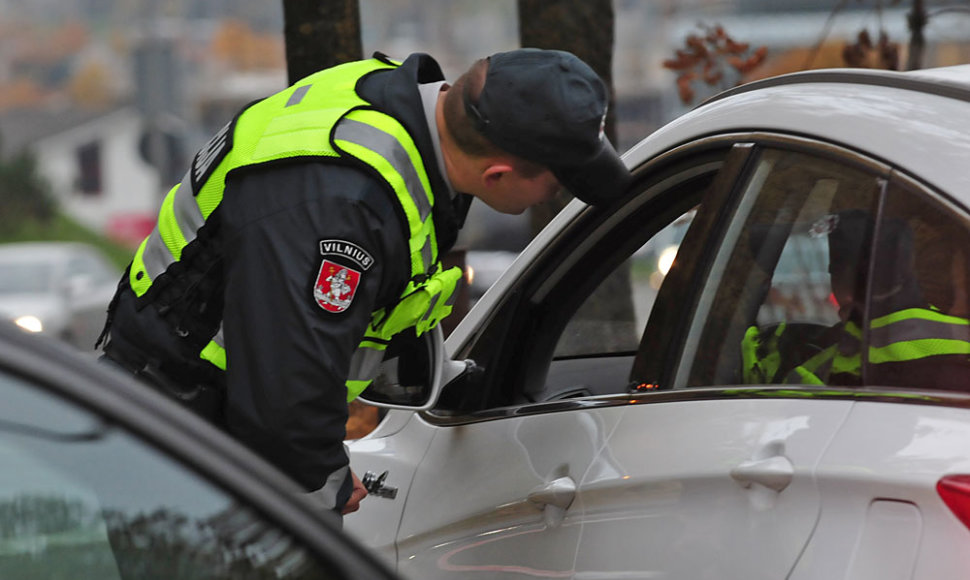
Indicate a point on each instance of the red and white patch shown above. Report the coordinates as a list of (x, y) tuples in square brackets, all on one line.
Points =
[(335, 286)]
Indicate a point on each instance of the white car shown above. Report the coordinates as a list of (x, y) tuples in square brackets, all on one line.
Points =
[(61, 289), (580, 423)]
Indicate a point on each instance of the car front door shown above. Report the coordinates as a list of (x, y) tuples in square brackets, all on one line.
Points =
[(495, 493)]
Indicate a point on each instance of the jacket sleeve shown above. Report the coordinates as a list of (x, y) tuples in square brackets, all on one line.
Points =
[(310, 251)]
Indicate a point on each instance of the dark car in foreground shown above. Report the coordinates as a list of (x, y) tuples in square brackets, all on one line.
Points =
[(103, 478)]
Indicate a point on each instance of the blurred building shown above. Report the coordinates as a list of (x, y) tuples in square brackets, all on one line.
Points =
[(92, 163), (174, 71)]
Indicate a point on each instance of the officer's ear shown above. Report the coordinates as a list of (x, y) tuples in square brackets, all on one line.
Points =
[(495, 171)]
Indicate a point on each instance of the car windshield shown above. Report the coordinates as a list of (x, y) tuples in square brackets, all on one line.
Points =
[(24, 277)]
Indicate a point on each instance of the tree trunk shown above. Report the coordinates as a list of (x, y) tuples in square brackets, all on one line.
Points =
[(584, 28), (916, 19), (320, 34)]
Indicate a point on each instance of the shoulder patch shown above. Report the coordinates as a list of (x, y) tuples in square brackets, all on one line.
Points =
[(210, 155), (348, 250), (336, 284)]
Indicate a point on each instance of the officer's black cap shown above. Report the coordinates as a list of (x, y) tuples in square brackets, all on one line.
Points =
[(549, 107)]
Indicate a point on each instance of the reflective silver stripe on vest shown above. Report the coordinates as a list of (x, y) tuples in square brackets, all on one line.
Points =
[(426, 253), (219, 338), (298, 95), (434, 302), (825, 368), (917, 329), (820, 369), (326, 496), (388, 147), (454, 296), (188, 216), (156, 256), (365, 364), (850, 346)]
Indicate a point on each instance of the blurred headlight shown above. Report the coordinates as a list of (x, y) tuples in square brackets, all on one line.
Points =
[(30, 323)]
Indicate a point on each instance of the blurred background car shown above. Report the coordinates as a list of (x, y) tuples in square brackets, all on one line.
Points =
[(61, 289)]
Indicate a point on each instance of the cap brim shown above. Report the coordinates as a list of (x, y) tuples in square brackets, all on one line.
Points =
[(598, 181)]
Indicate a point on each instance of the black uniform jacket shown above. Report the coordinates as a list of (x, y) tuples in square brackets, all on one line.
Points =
[(288, 357)]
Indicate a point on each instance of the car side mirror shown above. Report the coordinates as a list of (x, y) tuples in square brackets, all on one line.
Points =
[(414, 371)]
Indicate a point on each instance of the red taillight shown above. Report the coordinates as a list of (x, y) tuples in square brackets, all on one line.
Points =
[(955, 491)]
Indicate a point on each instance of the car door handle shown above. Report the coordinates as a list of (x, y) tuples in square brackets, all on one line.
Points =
[(558, 492), (773, 472)]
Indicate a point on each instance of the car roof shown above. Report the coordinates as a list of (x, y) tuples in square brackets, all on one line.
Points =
[(917, 121), (953, 81)]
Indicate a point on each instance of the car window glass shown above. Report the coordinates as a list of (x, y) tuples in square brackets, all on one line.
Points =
[(920, 294), (771, 304), (594, 353), (23, 277), (576, 328), (83, 499), (612, 318)]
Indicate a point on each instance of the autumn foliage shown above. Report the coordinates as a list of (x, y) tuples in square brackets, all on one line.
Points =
[(243, 49), (713, 58), (868, 54)]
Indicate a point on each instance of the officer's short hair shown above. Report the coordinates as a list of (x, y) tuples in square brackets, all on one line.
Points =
[(461, 128)]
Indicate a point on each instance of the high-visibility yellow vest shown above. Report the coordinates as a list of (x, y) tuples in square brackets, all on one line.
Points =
[(321, 115), (907, 335)]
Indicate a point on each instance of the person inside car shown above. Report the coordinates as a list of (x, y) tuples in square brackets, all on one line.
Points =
[(909, 342)]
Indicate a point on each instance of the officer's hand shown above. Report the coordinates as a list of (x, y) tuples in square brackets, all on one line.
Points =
[(359, 493)]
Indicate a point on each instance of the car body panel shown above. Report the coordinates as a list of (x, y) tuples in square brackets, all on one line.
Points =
[(692, 481), (485, 473), (880, 473), (398, 456)]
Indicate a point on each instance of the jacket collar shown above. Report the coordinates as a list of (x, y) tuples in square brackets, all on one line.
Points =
[(396, 93)]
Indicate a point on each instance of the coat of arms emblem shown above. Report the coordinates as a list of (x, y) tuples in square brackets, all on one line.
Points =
[(335, 286)]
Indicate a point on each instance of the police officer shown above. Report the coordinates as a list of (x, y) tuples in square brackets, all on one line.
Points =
[(309, 230)]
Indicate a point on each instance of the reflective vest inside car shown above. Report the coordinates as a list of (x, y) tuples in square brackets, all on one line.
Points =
[(908, 335)]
